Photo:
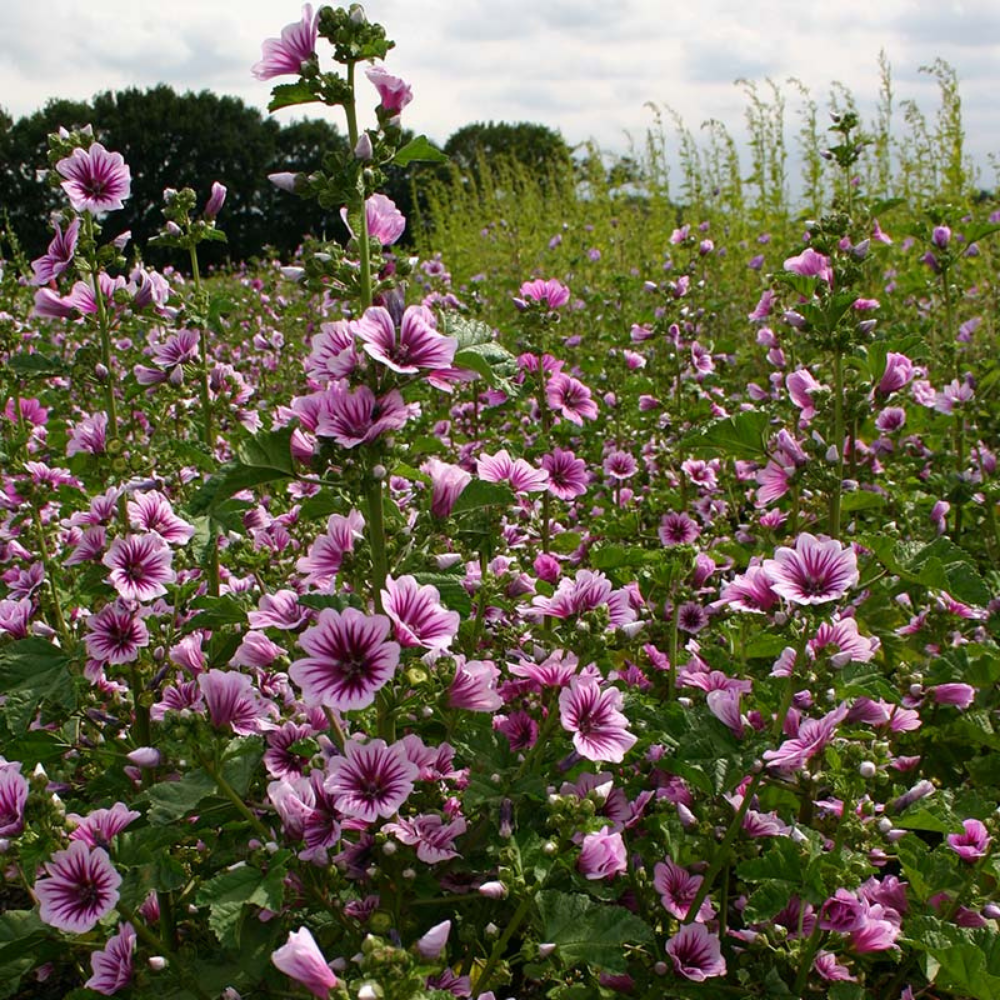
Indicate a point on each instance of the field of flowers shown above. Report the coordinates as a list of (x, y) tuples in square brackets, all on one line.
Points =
[(603, 601)]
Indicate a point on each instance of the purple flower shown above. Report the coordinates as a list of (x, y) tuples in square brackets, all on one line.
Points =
[(696, 953), (301, 959), (13, 796), (571, 398), (279, 610), (140, 566), (812, 736), (811, 264), (80, 888), (973, 843), (231, 700), (393, 92), (842, 912), (384, 221), (115, 634), (216, 200), (350, 659), (588, 591), (474, 686), (433, 838), (285, 55), (941, 237), (419, 345), (620, 465), (151, 511), (958, 694), (816, 571), (750, 591), (595, 719), (59, 255), (447, 483), (96, 180), (678, 529), (418, 615), (501, 468), (898, 373), (89, 435), (550, 293), (371, 779), (358, 417), (326, 554), (432, 944), (602, 855), (677, 888), (113, 965)]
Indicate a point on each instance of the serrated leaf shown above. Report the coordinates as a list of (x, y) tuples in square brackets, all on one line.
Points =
[(286, 95), (740, 436), (263, 459), (453, 594), (36, 366), (590, 933), (479, 494), (419, 149), (33, 671), (215, 612), (170, 801)]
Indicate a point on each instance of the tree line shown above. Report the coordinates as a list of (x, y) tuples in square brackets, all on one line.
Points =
[(192, 139)]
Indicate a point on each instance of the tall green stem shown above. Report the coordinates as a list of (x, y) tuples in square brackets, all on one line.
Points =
[(501, 946), (103, 326), (838, 439), (364, 257)]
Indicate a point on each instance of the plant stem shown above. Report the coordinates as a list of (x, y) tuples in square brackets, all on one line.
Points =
[(498, 949), (838, 438), (721, 856), (103, 327), (230, 793)]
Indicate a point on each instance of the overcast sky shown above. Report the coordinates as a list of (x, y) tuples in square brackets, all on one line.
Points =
[(585, 67)]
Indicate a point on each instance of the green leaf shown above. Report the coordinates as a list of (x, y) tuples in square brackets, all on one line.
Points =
[(566, 542), (741, 436), (215, 612), (492, 362), (450, 588), (263, 459), (419, 149), (768, 899), (781, 861), (170, 801), (32, 671), (36, 366), (286, 95), (590, 933), (479, 494), (862, 500), (616, 556)]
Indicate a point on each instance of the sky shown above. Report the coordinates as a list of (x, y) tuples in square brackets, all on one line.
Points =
[(589, 68)]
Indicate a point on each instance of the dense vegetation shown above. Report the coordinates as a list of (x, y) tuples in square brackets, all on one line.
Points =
[(604, 600)]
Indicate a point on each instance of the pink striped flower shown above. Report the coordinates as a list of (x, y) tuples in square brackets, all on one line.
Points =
[(550, 293), (816, 571), (140, 566), (568, 476), (973, 843), (447, 483), (371, 779), (13, 797), (96, 180), (99, 827), (232, 700), (433, 838), (570, 398), (501, 468), (80, 887), (594, 717), (417, 346), (115, 634), (285, 55), (350, 658), (393, 92), (326, 554), (677, 888), (418, 615), (59, 255), (811, 264), (359, 417), (474, 686), (602, 855), (151, 511), (300, 959), (113, 964), (696, 953)]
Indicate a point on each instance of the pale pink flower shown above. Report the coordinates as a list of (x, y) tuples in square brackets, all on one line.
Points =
[(696, 953), (384, 221), (432, 944), (602, 855), (447, 483), (418, 615), (549, 292), (371, 779), (433, 838), (501, 468), (816, 571), (474, 686), (677, 888), (811, 264), (418, 346), (393, 92), (285, 55), (89, 435), (350, 659), (594, 717), (300, 959), (112, 965), (140, 566)]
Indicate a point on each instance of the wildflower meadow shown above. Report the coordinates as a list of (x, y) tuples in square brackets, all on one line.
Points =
[(597, 597)]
